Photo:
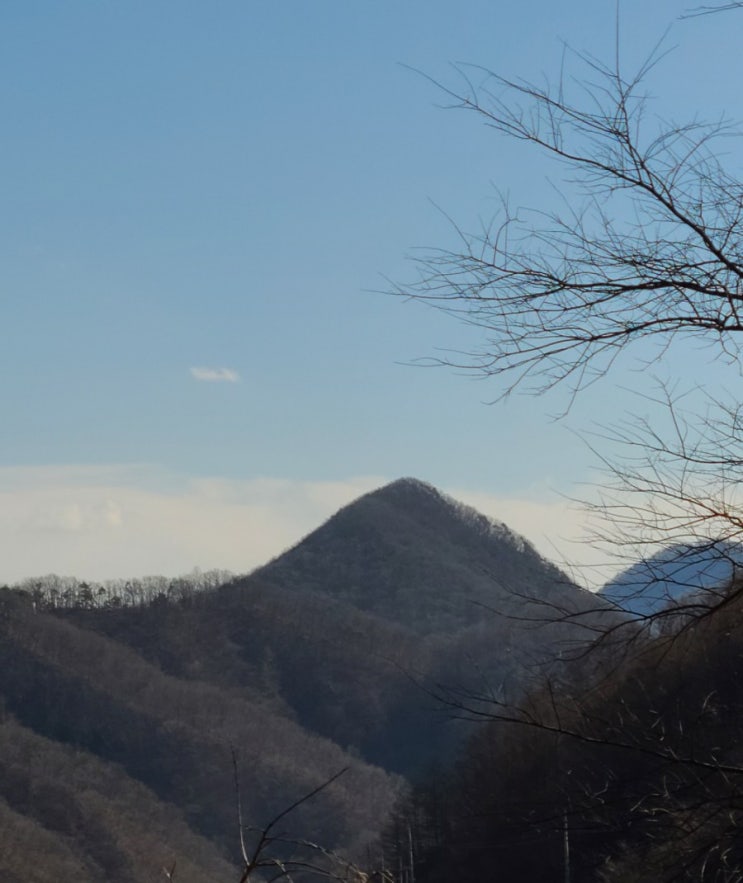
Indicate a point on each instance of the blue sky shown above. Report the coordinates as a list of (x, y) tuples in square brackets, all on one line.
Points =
[(201, 202)]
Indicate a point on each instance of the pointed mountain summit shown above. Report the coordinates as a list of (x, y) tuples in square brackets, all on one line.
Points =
[(412, 555)]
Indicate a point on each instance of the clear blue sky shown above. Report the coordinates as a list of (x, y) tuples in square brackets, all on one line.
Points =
[(199, 201)]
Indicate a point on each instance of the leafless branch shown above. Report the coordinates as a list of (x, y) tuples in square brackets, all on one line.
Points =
[(648, 245), (262, 856), (710, 10)]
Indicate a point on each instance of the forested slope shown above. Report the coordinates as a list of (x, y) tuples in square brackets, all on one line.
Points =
[(401, 593), (333, 656), (72, 686), (631, 773)]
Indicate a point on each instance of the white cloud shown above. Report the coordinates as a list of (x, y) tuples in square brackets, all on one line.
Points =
[(118, 521), (215, 375)]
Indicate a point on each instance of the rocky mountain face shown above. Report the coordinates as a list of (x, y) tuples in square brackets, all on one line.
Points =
[(333, 655)]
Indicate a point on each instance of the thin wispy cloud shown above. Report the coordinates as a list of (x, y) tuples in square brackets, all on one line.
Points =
[(215, 375)]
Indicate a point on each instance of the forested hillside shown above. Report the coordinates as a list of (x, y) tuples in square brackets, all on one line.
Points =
[(626, 768), (400, 593), (330, 657), (175, 736), (605, 745)]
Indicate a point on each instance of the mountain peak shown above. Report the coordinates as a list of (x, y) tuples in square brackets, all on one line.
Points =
[(409, 491), (411, 554), (404, 491), (408, 483)]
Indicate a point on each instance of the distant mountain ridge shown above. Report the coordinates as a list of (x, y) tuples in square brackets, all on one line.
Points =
[(673, 575)]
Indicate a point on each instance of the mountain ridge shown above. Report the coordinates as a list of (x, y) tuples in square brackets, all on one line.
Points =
[(408, 532), (328, 656), (674, 575)]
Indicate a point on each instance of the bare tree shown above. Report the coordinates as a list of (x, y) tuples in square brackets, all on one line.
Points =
[(677, 478), (647, 248), (269, 854), (644, 253), (649, 245)]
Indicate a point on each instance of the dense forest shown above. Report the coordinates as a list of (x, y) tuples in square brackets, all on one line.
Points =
[(628, 768)]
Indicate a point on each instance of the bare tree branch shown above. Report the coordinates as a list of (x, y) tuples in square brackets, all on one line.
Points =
[(710, 10), (262, 857), (653, 249)]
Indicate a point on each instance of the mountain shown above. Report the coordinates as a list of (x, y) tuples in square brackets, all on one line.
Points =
[(411, 555), (400, 597), (334, 655), (673, 575)]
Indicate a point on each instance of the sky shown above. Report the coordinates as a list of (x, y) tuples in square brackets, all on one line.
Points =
[(204, 208)]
